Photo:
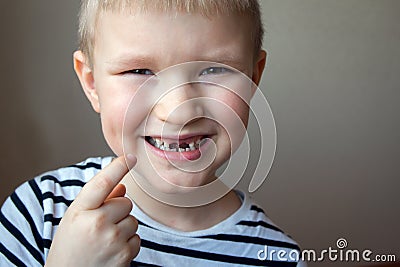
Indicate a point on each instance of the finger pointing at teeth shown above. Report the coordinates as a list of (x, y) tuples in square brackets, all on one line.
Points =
[(97, 228)]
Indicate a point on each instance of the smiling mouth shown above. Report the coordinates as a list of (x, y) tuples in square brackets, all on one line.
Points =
[(190, 144)]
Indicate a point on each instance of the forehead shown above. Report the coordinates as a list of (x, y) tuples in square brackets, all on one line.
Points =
[(170, 35)]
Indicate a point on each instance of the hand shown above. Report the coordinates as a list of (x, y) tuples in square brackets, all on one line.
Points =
[(97, 229)]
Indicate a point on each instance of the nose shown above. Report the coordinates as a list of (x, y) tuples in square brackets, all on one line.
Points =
[(179, 106)]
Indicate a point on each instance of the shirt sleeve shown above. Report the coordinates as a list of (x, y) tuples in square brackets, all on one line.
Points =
[(21, 227)]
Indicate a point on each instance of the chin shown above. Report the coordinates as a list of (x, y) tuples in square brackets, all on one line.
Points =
[(176, 182)]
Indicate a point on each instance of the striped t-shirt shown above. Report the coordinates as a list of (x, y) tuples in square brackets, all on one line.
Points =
[(30, 216)]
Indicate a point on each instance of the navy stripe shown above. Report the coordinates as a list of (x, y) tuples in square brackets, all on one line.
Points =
[(86, 166), (47, 243), (50, 218), (212, 256), (36, 191), (11, 257), (255, 208), (259, 223), (57, 199), (20, 206), (63, 183), (145, 225), (18, 235), (252, 240)]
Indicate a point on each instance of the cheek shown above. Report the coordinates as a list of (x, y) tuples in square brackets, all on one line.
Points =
[(236, 107), (119, 118), (235, 93), (232, 116), (241, 109), (112, 120)]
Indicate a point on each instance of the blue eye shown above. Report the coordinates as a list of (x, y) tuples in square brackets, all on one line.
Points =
[(140, 72), (214, 70)]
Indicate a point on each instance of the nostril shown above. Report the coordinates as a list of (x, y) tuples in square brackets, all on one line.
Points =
[(180, 113)]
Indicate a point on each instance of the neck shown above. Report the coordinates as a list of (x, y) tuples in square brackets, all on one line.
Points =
[(183, 218)]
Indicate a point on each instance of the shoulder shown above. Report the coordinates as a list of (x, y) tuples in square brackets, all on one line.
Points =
[(66, 182), (60, 185), (256, 220), (254, 223), (30, 215), (82, 171)]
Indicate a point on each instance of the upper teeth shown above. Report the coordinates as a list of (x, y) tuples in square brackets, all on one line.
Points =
[(163, 145)]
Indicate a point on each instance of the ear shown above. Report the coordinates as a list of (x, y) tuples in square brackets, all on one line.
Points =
[(85, 75), (259, 67)]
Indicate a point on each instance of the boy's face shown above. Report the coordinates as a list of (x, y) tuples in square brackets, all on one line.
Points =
[(131, 48)]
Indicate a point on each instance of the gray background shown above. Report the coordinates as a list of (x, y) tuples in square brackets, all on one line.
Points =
[(333, 84)]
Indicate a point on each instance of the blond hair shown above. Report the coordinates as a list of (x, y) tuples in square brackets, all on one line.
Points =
[(91, 9)]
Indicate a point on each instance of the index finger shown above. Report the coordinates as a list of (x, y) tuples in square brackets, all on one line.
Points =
[(95, 192)]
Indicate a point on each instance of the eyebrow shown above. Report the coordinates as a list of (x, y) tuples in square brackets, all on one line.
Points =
[(223, 57), (129, 59), (139, 60)]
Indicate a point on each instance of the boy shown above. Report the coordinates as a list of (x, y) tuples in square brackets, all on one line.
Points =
[(124, 211)]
